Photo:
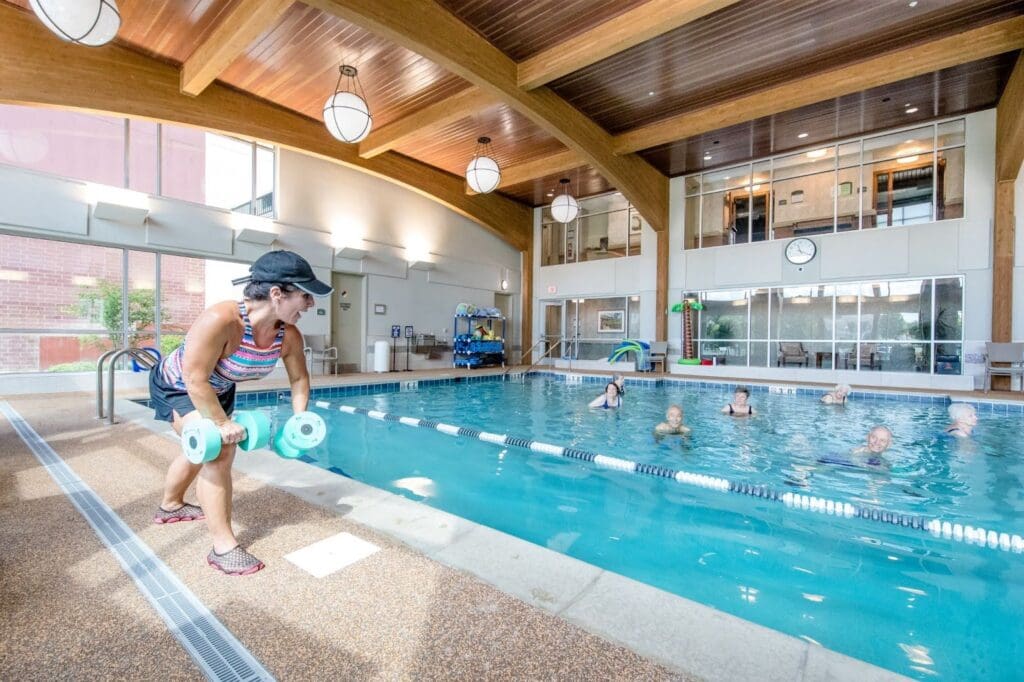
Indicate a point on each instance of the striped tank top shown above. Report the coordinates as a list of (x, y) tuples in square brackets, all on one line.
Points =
[(248, 363)]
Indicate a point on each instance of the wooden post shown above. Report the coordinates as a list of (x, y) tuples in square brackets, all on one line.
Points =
[(526, 323), (661, 295)]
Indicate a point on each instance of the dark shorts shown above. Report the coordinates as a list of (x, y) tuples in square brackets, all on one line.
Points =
[(166, 400)]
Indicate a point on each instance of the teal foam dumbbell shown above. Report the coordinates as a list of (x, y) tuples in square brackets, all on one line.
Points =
[(303, 431), (201, 442)]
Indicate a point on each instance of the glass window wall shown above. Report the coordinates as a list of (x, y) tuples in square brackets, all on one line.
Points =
[(913, 325), (606, 227), (899, 178)]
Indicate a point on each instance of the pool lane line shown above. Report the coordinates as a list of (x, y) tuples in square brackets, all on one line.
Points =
[(211, 645), (937, 527)]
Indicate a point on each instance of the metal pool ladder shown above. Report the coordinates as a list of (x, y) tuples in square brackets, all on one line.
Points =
[(140, 356)]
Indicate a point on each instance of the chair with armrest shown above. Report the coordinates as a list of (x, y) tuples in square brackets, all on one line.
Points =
[(1004, 360), (317, 350), (792, 353), (869, 358), (657, 353)]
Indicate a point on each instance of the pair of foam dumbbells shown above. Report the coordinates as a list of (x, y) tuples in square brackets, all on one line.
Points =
[(201, 441)]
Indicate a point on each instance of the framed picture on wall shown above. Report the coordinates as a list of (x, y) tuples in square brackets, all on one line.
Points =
[(845, 189), (634, 224), (611, 321)]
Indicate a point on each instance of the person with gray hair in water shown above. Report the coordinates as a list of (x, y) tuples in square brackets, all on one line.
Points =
[(964, 418)]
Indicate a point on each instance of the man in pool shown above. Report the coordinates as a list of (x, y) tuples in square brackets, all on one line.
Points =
[(673, 423), (878, 441), (739, 407)]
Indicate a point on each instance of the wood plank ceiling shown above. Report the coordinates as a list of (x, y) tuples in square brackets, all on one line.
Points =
[(736, 49)]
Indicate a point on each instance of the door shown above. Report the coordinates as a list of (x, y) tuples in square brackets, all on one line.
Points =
[(552, 328), (348, 321)]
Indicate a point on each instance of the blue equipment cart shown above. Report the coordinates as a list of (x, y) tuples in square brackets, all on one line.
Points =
[(479, 341)]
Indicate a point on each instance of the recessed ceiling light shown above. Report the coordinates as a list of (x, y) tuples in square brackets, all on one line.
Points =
[(727, 177), (912, 3), (802, 135), (911, 110), (707, 157), (651, 93), (551, 194)]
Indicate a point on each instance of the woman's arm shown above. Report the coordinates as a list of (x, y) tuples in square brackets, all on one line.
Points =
[(598, 401), (205, 343), (295, 364)]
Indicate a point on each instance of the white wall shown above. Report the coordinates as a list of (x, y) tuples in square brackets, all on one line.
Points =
[(962, 246), (322, 205)]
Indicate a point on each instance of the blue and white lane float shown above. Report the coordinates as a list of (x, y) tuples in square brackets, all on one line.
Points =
[(937, 527)]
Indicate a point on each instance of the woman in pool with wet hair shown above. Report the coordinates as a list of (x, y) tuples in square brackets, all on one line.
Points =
[(610, 399), (739, 407), (964, 418), (837, 396)]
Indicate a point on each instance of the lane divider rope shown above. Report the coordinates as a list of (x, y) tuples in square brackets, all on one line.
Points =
[(972, 535)]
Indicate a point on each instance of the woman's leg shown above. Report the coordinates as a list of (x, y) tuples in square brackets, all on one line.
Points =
[(214, 489), (182, 472)]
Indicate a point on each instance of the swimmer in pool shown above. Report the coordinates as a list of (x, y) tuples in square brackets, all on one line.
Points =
[(964, 418), (837, 396), (610, 399), (739, 407), (673, 423), (870, 454)]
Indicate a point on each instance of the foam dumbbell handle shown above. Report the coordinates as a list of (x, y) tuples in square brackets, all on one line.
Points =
[(201, 440), (257, 429)]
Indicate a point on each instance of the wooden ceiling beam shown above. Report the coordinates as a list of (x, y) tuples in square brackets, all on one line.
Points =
[(618, 34), (1010, 126), (428, 29), (565, 160), (943, 53), (246, 22), (40, 71), (460, 105)]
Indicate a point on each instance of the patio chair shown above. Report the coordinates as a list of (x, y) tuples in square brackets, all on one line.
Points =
[(317, 350), (869, 358), (1004, 360), (657, 353), (792, 353)]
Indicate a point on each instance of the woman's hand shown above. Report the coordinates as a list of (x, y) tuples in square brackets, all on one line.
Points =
[(231, 432)]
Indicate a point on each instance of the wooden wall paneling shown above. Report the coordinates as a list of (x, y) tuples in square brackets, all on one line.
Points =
[(246, 21), (615, 35), (116, 80), (1009, 156), (993, 39), (441, 37)]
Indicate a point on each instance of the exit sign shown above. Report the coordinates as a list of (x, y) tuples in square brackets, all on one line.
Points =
[(552, 289)]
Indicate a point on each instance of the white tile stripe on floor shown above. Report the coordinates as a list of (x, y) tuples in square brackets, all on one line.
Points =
[(213, 648)]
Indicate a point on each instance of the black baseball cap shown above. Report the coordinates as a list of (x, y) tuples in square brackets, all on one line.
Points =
[(285, 267)]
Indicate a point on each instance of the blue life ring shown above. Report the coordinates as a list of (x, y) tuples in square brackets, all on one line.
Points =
[(155, 352)]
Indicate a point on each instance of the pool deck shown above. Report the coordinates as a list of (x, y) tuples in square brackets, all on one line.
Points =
[(442, 598)]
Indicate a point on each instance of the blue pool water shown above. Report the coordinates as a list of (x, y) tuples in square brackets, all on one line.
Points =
[(896, 597)]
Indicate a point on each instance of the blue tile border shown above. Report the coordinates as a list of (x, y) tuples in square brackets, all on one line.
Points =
[(270, 398)]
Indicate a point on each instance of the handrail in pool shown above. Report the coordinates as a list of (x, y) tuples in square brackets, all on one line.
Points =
[(937, 527)]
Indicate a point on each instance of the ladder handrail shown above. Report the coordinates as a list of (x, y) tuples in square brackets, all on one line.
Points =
[(554, 345), (142, 357)]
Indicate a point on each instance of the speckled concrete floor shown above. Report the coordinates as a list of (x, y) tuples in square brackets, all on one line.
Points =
[(70, 612)]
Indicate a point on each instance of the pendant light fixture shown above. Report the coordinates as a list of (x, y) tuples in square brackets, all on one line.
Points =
[(483, 173), (83, 22), (345, 113), (565, 208)]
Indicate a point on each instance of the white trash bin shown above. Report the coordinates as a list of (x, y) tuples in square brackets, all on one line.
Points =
[(381, 356)]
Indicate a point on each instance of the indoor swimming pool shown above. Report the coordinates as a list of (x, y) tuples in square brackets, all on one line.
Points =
[(894, 595)]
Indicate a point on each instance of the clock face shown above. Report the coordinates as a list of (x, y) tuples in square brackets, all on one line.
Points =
[(800, 251)]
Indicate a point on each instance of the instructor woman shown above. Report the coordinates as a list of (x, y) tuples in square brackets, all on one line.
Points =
[(230, 342)]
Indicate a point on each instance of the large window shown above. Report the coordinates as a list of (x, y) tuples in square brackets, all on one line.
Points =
[(65, 304), (594, 327), (913, 325), (606, 227), (163, 160), (901, 178)]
